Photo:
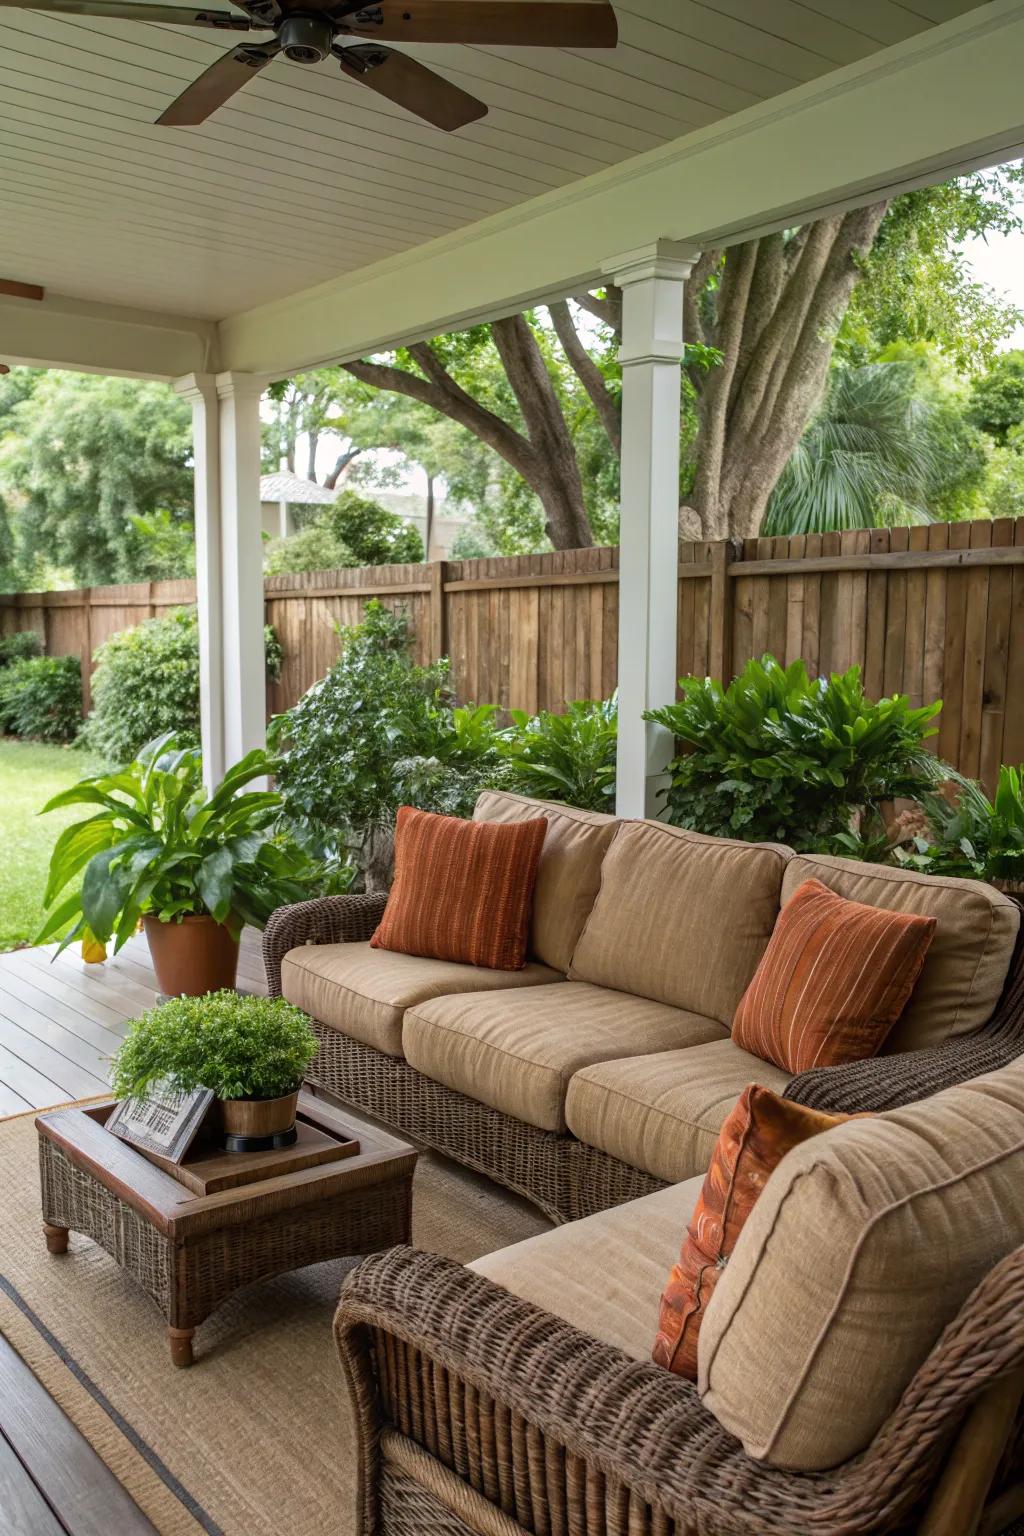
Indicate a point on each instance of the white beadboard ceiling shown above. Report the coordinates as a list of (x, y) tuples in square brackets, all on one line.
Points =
[(306, 176)]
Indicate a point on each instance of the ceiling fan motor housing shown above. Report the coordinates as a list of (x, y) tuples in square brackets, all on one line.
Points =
[(306, 39)]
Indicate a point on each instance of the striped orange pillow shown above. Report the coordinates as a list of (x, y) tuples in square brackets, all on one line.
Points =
[(757, 1133), (463, 889), (833, 981)]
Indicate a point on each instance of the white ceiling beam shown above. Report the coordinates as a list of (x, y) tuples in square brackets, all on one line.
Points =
[(104, 338), (948, 97)]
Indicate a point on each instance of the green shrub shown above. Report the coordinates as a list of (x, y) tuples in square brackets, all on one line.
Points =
[(146, 682), (568, 757), (240, 1047), (352, 531), (41, 697), (20, 646), (378, 732), (777, 757), (975, 836)]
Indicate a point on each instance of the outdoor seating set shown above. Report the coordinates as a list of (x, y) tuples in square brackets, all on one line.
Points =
[(860, 1360)]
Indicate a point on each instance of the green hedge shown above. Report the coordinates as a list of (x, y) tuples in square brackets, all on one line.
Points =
[(20, 646), (41, 697)]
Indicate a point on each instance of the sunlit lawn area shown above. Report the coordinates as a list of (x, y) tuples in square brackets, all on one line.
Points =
[(29, 774)]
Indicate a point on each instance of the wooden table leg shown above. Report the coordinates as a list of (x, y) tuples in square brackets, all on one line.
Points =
[(56, 1238), (180, 1340)]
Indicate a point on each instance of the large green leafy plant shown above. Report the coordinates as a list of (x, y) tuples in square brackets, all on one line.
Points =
[(239, 1047), (780, 757), (378, 732), (974, 836), (157, 844), (568, 757)]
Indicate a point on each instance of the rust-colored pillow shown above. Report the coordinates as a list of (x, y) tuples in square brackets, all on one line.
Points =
[(833, 981), (758, 1132), (462, 890)]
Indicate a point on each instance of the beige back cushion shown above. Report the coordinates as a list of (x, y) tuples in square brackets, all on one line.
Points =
[(680, 917), (864, 1244), (569, 873), (970, 952)]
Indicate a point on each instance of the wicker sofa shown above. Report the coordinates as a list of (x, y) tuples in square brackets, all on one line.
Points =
[(603, 1070)]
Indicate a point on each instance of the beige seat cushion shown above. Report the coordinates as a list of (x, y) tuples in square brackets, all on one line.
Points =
[(517, 1053), (864, 1244), (605, 1274), (680, 917), (663, 1113), (569, 872), (970, 952), (364, 992)]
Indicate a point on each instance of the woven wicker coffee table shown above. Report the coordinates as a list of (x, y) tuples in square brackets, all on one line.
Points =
[(191, 1250)]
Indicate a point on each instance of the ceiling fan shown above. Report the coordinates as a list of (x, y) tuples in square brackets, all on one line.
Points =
[(358, 35)]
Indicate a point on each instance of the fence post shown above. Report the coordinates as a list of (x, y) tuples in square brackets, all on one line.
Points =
[(438, 613), (720, 612), (87, 652)]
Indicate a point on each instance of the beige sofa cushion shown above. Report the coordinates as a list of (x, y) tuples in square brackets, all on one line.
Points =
[(864, 1244), (364, 992), (569, 873), (663, 1113), (517, 1053), (605, 1274), (681, 917), (970, 952)]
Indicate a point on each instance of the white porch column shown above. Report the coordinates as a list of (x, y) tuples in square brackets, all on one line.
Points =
[(241, 546), (200, 390), (651, 280)]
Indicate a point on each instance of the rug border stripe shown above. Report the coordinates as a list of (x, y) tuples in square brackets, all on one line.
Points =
[(131, 1434)]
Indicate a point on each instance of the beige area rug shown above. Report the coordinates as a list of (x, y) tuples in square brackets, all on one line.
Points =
[(255, 1439)]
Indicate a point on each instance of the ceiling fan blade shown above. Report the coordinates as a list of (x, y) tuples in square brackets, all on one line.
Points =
[(125, 10), (508, 23), (217, 85), (411, 84)]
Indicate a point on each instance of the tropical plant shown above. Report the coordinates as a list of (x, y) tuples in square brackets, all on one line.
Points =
[(866, 458), (971, 835), (568, 757), (238, 1047), (41, 697), (20, 646), (779, 757), (378, 732), (157, 844), (147, 681)]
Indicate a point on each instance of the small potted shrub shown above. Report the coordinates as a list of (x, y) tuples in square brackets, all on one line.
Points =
[(251, 1052), (193, 868)]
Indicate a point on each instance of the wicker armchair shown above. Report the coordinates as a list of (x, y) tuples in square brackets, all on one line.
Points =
[(480, 1415)]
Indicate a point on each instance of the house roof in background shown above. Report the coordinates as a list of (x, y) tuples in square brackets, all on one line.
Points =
[(293, 488)]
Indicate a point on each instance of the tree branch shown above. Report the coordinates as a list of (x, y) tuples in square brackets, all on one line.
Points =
[(608, 310), (341, 463), (589, 374)]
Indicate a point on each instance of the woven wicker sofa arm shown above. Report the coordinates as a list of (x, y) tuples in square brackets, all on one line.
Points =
[(535, 1415), (328, 920)]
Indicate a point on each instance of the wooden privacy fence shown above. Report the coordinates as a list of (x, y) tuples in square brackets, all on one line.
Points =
[(935, 612)]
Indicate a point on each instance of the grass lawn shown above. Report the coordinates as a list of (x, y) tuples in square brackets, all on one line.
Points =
[(29, 774)]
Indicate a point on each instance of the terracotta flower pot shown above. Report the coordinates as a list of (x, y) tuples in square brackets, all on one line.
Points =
[(192, 956), (258, 1117)]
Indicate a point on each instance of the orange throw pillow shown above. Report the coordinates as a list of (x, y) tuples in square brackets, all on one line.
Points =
[(757, 1134), (833, 981), (463, 889)]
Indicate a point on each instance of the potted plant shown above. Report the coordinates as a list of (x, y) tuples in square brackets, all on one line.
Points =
[(251, 1052), (193, 868)]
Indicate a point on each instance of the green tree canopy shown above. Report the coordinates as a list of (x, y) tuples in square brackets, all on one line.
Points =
[(997, 397), (83, 455), (353, 531)]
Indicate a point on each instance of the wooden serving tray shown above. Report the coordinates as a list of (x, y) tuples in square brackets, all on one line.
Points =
[(209, 1170)]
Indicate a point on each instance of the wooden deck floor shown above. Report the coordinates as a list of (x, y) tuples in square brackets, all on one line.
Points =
[(62, 1020)]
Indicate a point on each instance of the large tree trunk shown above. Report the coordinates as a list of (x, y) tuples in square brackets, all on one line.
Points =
[(778, 308)]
